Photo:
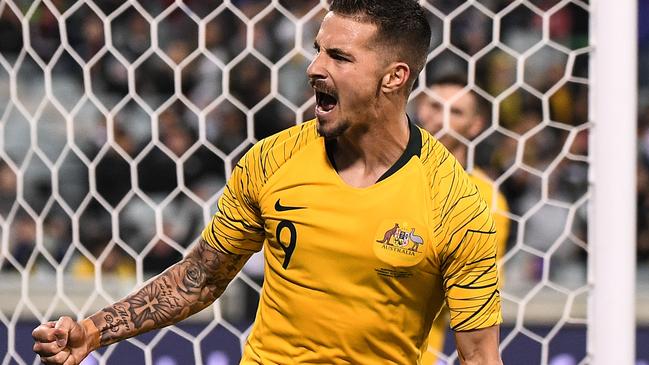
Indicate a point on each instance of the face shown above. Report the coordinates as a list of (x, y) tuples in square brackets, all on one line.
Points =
[(463, 118), (346, 74)]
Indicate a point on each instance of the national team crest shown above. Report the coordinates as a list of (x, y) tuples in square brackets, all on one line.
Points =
[(399, 243)]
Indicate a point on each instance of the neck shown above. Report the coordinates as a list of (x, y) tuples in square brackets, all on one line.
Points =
[(364, 153)]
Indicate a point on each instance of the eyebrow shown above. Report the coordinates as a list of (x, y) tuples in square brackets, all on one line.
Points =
[(334, 51)]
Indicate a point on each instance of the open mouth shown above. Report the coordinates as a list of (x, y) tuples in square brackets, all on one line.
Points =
[(325, 102)]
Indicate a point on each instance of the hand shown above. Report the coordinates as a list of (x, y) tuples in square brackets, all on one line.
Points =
[(64, 342)]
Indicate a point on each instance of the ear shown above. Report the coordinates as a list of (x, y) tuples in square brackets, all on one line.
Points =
[(396, 78)]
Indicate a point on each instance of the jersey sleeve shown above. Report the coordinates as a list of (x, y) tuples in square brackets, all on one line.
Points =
[(498, 207), (468, 254), (237, 226), (502, 224)]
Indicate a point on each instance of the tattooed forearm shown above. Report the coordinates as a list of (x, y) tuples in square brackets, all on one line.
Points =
[(182, 290), (116, 317)]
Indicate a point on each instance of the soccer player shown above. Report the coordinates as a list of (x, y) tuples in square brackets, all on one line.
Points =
[(368, 223), (467, 117)]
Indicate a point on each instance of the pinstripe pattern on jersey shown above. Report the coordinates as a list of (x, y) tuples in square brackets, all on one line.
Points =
[(465, 241), (237, 226)]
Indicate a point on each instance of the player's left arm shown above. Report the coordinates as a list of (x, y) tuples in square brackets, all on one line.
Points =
[(479, 346), (473, 295), (468, 262)]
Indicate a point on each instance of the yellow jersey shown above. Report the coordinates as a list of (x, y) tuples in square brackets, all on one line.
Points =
[(500, 208), (357, 275)]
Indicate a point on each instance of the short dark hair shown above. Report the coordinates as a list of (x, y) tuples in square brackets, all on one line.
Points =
[(401, 24), (454, 79)]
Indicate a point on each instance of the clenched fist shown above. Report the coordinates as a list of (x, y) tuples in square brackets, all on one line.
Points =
[(65, 342)]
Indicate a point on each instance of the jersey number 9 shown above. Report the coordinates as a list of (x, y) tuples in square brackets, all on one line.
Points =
[(290, 247)]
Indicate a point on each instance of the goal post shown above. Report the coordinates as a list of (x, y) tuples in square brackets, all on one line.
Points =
[(613, 173)]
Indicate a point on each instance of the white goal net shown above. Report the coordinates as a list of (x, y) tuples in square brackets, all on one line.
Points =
[(121, 120)]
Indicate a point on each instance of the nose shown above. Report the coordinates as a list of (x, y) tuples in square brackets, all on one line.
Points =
[(316, 69), (437, 119)]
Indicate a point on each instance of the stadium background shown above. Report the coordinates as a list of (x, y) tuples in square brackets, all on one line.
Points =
[(95, 177)]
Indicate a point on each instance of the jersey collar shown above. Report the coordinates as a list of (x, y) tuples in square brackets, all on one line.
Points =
[(413, 148)]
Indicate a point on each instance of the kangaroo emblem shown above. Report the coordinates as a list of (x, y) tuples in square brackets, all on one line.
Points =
[(389, 234)]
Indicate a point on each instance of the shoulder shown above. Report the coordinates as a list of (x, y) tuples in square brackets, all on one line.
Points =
[(271, 153), (452, 189), (442, 169), (434, 155), (240, 199)]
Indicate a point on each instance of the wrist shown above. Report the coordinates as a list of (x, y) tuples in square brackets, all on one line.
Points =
[(92, 334)]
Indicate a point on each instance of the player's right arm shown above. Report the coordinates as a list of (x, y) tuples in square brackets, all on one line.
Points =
[(234, 234), (182, 290)]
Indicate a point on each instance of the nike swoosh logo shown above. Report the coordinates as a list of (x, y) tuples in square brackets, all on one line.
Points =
[(283, 208)]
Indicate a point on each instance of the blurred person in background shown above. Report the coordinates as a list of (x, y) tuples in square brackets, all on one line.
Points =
[(467, 117)]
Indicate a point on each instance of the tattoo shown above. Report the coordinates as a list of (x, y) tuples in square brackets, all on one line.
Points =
[(123, 315), (182, 290), (166, 294), (111, 324), (145, 305), (194, 279), (115, 317)]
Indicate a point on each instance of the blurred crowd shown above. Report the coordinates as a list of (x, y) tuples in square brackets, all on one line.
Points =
[(131, 142)]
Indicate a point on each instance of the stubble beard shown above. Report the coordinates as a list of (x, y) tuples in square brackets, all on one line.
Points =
[(332, 131)]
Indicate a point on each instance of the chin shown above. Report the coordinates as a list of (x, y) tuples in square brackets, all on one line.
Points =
[(331, 129)]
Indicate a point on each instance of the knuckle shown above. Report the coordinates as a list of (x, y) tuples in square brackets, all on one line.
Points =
[(55, 359), (41, 333), (38, 330), (65, 322), (40, 348)]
